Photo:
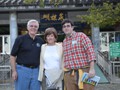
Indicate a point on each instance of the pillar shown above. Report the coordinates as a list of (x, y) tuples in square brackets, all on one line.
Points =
[(13, 28)]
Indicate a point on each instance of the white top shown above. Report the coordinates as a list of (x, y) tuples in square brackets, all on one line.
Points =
[(51, 58)]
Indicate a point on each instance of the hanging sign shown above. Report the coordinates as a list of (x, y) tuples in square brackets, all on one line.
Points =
[(115, 49), (52, 17)]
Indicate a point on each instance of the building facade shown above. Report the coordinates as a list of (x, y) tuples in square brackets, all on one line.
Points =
[(14, 15)]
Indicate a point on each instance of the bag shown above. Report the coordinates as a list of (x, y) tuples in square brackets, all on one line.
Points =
[(53, 76)]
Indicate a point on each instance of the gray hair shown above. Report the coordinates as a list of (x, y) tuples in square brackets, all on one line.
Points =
[(32, 20)]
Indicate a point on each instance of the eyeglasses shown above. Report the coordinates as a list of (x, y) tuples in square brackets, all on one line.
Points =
[(64, 26), (33, 26)]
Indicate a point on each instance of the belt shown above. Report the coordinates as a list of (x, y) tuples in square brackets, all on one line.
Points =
[(28, 66), (79, 73), (72, 71)]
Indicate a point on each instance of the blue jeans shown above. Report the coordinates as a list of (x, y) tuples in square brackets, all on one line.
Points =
[(27, 78)]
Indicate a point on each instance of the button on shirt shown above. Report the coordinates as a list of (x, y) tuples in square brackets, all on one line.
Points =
[(27, 50), (78, 51)]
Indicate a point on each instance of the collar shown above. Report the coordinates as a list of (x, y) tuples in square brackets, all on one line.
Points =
[(72, 35), (47, 44), (28, 36)]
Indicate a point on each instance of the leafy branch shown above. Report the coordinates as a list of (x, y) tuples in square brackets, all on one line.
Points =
[(56, 2), (33, 1), (106, 15), (29, 1)]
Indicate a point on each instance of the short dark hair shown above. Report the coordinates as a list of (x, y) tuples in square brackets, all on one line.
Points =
[(50, 30), (67, 21)]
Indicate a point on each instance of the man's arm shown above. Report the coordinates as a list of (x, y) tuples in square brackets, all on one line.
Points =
[(90, 53), (13, 66), (92, 70)]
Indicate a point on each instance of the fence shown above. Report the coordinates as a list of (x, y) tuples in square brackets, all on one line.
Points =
[(115, 72), (4, 59), (110, 67), (5, 73)]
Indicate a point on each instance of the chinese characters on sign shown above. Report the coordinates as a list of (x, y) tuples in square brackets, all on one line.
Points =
[(52, 17), (115, 49)]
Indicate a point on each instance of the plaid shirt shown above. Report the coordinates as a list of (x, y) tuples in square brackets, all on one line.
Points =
[(78, 51)]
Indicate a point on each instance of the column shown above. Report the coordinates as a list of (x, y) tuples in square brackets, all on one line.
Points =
[(13, 28), (96, 39)]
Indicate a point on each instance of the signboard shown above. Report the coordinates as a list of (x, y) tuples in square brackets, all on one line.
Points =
[(52, 17), (115, 49)]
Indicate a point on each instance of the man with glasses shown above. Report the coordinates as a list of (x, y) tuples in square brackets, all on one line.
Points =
[(24, 58), (79, 57)]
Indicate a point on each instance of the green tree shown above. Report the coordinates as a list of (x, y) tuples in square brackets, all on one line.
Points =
[(117, 13), (33, 1), (102, 16), (29, 1), (56, 3), (42, 3)]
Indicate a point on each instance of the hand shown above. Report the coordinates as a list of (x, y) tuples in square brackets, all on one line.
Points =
[(14, 75), (91, 73)]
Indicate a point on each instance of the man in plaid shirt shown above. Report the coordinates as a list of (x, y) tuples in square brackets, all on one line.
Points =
[(78, 55)]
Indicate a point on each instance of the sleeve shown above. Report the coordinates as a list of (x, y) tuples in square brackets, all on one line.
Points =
[(16, 46), (88, 46), (41, 67), (61, 54)]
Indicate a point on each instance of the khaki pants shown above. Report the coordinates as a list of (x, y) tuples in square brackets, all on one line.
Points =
[(70, 82)]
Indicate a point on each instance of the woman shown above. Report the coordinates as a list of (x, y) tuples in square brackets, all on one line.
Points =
[(51, 61)]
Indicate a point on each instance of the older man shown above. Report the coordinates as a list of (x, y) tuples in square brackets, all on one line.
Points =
[(24, 58)]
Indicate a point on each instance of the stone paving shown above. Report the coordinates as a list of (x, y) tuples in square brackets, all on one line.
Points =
[(99, 87), (108, 87)]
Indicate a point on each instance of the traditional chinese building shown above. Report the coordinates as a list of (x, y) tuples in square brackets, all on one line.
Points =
[(14, 15)]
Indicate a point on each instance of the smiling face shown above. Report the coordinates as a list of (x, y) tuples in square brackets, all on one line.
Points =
[(33, 28), (67, 28), (50, 36), (50, 39)]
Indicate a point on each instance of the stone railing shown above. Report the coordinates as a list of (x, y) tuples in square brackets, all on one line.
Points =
[(110, 67)]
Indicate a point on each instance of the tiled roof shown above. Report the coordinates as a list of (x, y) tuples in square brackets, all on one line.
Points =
[(15, 2), (78, 3)]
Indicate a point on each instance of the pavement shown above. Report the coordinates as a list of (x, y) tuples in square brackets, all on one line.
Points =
[(104, 84), (98, 87), (103, 77), (108, 87)]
